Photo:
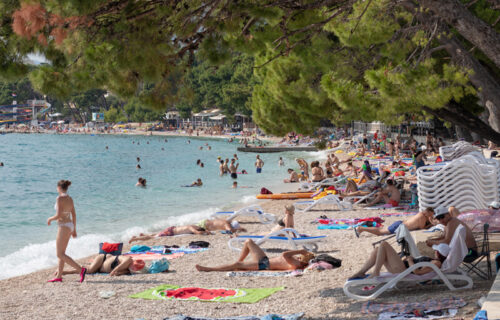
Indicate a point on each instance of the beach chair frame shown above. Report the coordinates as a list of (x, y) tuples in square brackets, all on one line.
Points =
[(389, 281), (250, 211), (484, 253), (288, 236), (304, 206)]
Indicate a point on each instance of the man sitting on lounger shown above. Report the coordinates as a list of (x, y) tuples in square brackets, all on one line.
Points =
[(422, 220), (450, 225), (390, 195), (289, 260), (170, 231)]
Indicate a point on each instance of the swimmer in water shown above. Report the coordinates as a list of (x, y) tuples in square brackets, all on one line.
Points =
[(235, 156), (138, 159), (235, 184), (197, 183), (222, 171), (1, 164), (281, 163), (198, 162), (107, 147), (138, 166), (141, 182), (202, 165), (209, 148), (233, 168)]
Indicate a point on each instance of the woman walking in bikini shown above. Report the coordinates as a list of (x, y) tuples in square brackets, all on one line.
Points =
[(66, 220)]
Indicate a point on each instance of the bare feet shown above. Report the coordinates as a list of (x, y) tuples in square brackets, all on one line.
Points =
[(201, 268), (357, 275)]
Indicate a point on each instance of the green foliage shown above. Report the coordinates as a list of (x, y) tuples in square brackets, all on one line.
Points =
[(290, 64), (227, 86), (137, 113), (114, 115)]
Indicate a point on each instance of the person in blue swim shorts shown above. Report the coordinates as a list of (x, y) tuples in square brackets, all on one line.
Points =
[(259, 164), (422, 220)]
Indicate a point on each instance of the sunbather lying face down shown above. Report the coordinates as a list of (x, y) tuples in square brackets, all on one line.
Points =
[(220, 224), (107, 263), (422, 220), (258, 260), (385, 256), (170, 231)]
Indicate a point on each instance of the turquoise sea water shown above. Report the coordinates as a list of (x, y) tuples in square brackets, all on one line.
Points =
[(108, 205)]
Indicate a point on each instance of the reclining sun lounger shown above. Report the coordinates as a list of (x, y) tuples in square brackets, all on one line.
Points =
[(336, 182), (331, 199), (250, 211), (361, 198), (449, 272), (284, 236)]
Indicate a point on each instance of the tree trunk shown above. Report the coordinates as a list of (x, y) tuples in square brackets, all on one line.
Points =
[(472, 28), (487, 86), (457, 115)]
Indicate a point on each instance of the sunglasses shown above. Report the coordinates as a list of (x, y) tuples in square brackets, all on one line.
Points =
[(440, 217)]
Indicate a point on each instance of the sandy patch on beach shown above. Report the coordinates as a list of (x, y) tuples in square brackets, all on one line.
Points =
[(319, 294)]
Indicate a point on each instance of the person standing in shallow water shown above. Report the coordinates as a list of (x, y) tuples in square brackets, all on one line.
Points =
[(258, 164), (66, 220)]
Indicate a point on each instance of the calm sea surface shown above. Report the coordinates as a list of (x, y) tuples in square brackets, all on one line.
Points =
[(108, 205)]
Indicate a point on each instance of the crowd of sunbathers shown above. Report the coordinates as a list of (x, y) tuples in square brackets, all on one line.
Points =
[(357, 182)]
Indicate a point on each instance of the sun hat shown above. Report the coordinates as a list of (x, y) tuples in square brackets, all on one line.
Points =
[(439, 211), (442, 248), (494, 205), (235, 224)]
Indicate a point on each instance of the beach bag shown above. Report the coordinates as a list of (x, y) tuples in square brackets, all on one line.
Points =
[(199, 244), (114, 249), (265, 191), (140, 266), (336, 263)]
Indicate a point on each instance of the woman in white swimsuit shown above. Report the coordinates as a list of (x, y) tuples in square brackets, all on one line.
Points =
[(66, 220)]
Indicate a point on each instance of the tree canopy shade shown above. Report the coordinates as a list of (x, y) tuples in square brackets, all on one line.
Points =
[(313, 59)]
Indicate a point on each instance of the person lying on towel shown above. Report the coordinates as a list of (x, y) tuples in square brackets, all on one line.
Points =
[(385, 256), (108, 263), (390, 195), (258, 260), (170, 231), (422, 220), (221, 225)]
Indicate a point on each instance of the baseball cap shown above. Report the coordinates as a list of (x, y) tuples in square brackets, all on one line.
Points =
[(494, 205), (235, 224), (442, 248), (439, 211)]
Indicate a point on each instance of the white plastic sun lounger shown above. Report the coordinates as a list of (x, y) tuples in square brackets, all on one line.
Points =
[(449, 271), (361, 198), (331, 199), (250, 211), (336, 182), (284, 236)]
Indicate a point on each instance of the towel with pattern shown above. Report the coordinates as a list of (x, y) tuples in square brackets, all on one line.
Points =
[(398, 214), (295, 316), (407, 307), (293, 273), (170, 292)]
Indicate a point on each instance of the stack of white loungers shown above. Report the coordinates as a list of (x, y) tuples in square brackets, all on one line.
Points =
[(466, 180)]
